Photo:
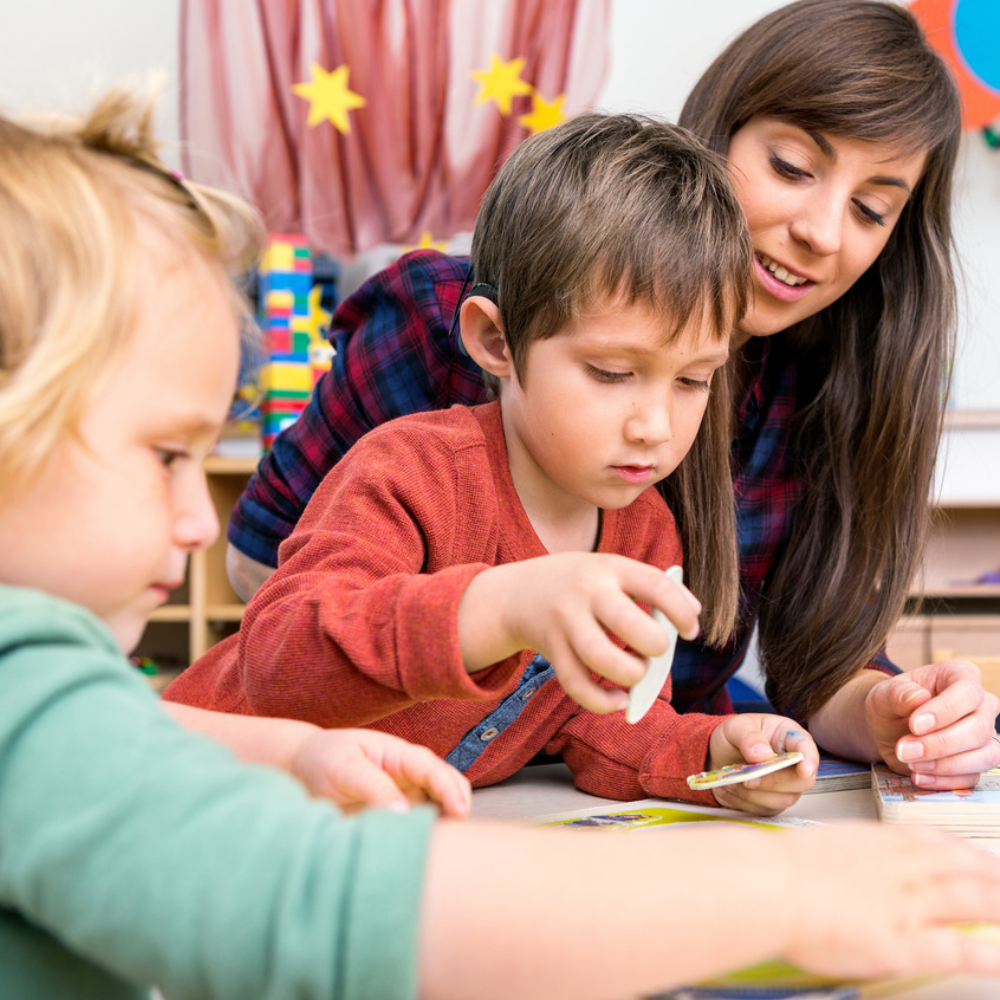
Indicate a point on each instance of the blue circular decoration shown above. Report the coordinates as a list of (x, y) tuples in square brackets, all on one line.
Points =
[(977, 38)]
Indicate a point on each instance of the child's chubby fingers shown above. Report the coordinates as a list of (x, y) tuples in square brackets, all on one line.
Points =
[(588, 648), (755, 738), (673, 599), (423, 776), (756, 801)]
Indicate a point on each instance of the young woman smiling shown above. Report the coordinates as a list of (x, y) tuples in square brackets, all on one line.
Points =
[(841, 127)]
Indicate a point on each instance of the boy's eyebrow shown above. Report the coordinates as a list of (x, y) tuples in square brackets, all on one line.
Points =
[(887, 180), (618, 346)]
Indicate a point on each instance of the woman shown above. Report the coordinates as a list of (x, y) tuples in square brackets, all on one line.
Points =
[(841, 127)]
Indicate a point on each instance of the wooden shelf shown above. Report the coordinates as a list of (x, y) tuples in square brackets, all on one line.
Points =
[(172, 613), (206, 608), (955, 617)]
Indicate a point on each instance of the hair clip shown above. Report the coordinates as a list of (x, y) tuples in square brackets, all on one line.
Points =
[(487, 291), (480, 288)]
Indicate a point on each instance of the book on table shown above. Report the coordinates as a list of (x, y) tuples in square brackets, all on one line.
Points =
[(971, 812)]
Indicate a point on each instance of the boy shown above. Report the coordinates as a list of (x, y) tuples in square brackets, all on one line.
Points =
[(455, 578)]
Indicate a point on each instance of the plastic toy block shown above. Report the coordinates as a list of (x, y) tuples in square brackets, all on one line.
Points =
[(286, 376)]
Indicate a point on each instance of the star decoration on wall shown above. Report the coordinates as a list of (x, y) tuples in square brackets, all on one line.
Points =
[(501, 83), (544, 114), (427, 242), (329, 97)]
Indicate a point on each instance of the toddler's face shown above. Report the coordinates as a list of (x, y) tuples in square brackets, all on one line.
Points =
[(112, 520), (607, 408)]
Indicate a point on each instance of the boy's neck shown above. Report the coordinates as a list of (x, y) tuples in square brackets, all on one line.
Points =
[(581, 534)]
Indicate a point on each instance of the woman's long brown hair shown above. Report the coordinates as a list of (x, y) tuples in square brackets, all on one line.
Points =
[(873, 366)]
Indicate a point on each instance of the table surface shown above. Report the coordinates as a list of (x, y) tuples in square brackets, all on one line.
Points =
[(548, 788)]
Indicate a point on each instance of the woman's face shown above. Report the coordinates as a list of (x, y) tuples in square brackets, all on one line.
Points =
[(820, 210)]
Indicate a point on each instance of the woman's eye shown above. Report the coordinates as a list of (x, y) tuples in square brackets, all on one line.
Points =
[(602, 375), (786, 169), (869, 214)]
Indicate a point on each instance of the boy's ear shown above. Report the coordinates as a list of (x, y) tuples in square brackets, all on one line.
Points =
[(483, 336)]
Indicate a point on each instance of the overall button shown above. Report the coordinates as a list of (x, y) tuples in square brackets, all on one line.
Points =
[(487, 734), (527, 694)]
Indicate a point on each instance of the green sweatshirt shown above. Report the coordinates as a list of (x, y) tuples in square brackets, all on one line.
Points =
[(133, 853)]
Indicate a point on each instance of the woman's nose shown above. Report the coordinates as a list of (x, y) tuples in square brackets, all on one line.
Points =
[(819, 226)]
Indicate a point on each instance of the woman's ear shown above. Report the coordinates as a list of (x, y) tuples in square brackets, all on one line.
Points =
[(483, 336)]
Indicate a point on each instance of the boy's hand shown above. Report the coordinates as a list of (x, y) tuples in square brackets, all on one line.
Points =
[(563, 606), (755, 737), (359, 767)]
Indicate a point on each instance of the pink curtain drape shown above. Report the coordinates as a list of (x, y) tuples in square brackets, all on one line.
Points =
[(421, 151)]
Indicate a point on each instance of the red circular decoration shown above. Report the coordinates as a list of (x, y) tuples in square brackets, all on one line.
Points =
[(980, 106)]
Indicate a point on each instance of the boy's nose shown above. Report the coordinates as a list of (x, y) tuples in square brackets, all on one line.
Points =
[(649, 423)]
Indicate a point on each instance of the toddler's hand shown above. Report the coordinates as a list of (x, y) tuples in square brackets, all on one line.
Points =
[(361, 767), (889, 901), (755, 737), (564, 606)]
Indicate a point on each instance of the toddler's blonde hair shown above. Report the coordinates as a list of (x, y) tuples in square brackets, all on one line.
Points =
[(73, 198)]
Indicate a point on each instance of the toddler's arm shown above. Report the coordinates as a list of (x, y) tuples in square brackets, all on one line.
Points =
[(858, 900), (353, 767)]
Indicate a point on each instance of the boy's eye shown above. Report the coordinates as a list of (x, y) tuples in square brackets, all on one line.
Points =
[(602, 375), (702, 385)]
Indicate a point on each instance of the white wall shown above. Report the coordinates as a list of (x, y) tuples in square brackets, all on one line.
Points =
[(55, 54)]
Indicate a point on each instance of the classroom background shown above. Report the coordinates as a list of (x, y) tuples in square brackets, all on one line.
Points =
[(630, 55)]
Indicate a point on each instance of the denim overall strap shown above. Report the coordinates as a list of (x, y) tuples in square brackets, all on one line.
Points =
[(479, 737)]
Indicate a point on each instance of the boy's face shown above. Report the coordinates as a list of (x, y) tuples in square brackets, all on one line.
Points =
[(607, 408), (111, 521)]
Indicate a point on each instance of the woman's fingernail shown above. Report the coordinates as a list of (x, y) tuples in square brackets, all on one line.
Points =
[(910, 751), (399, 806), (923, 780), (923, 723)]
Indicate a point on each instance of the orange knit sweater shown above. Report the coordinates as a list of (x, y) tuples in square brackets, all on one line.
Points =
[(358, 625)]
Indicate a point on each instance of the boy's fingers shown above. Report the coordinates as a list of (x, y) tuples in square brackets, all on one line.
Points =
[(590, 649)]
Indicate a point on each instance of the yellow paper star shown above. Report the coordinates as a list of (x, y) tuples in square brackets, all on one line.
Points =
[(501, 82), (427, 242), (329, 98), (319, 318), (544, 114)]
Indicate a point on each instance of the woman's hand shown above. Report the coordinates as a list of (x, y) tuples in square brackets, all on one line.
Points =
[(935, 724)]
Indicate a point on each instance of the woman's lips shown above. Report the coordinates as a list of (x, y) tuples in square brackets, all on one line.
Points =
[(774, 285)]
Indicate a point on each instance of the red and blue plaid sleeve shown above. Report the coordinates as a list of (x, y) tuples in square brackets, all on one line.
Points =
[(396, 354)]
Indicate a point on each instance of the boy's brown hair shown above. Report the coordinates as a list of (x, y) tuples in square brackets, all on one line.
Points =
[(629, 208)]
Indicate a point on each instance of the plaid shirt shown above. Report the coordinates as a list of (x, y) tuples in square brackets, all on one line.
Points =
[(397, 354)]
